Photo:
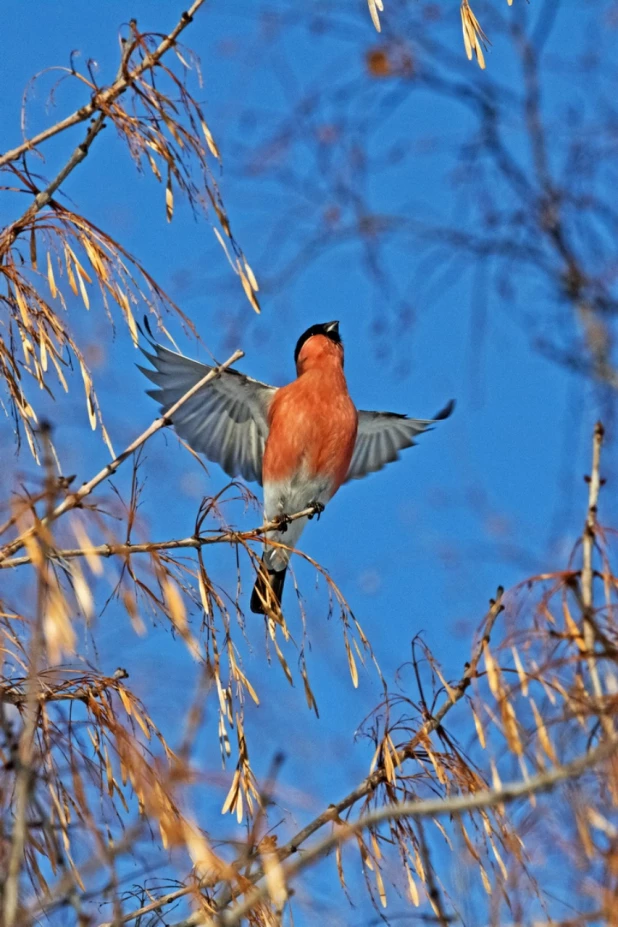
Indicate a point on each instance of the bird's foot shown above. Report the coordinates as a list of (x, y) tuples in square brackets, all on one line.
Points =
[(317, 507), (283, 522)]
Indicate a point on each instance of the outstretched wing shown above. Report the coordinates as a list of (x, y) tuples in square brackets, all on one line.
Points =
[(381, 435), (226, 420)]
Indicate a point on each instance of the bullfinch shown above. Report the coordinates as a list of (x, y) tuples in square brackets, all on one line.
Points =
[(300, 441)]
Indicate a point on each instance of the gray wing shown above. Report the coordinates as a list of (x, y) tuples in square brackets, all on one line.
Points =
[(226, 420), (381, 435)]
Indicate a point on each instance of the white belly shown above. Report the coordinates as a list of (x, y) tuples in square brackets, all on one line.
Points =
[(285, 497)]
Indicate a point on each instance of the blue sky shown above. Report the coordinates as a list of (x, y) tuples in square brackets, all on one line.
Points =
[(491, 496)]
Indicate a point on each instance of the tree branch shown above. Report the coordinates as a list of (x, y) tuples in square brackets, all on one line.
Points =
[(44, 196), (435, 897), (103, 98), (25, 754), (75, 499), (58, 893), (368, 785), (433, 807), (195, 542), (12, 694), (432, 724), (456, 693), (587, 596)]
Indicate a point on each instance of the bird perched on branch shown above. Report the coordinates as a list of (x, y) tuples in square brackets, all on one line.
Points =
[(301, 441)]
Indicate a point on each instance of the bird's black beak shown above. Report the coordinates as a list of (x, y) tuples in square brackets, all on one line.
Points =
[(332, 327)]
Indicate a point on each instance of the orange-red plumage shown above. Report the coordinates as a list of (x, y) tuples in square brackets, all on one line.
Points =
[(312, 425), (312, 421)]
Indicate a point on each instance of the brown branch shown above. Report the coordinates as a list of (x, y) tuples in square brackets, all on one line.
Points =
[(25, 754), (456, 693), (435, 897), (433, 807), (65, 886), (195, 542), (368, 785), (576, 921), (75, 499), (432, 724), (102, 99), (155, 905), (12, 695), (44, 196)]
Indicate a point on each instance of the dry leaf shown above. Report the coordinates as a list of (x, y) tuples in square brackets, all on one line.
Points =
[(375, 8), (473, 35)]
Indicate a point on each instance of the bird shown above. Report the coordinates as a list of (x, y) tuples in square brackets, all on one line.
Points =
[(301, 441)]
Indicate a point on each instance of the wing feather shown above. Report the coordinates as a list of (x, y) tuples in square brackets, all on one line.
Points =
[(226, 420), (382, 435)]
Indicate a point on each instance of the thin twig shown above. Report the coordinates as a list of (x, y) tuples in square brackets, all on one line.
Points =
[(155, 905), (59, 892), (159, 903), (44, 196), (370, 783), (25, 774), (432, 724), (12, 695), (74, 499), (103, 98), (195, 542), (434, 807), (435, 896), (456, 693)]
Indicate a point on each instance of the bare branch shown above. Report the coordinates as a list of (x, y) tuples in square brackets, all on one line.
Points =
[(25, 754), (44, 196), (103, 98), (435, 896), (368, 785), (195, 542), (432, 724), (587, 595), (13, 693), (74, 499), (417, 810)]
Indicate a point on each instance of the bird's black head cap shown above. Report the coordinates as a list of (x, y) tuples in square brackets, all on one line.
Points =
[(329, 329)]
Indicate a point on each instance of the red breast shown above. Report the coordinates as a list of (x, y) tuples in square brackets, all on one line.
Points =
[(312, 421)]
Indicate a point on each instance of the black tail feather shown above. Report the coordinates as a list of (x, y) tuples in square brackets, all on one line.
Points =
[(268, 589)]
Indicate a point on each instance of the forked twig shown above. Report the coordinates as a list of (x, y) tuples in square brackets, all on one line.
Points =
[(196, 542), (44, 196), (103, 98), (370, 783), (418, 810), (74, 499)]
